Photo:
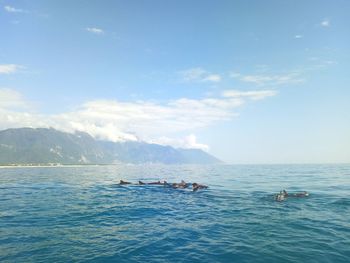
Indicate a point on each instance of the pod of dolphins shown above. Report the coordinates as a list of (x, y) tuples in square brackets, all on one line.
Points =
[(281, 196), (181, 185)]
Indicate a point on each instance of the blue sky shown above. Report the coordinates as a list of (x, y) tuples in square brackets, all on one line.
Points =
[(248, 81)]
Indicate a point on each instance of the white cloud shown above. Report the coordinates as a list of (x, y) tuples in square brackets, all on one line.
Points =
[(148, 119), (254, 94), (193, 74), (325, 23), (9, 68), (199, 75), (318, 64), (95, 30), (298, 36), (11, 9), (10, 98), (271, 80), (188, 142), (141, 120), (213, 78), (321, 64)]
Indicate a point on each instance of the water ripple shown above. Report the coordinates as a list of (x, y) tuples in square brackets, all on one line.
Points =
[(83, 215)]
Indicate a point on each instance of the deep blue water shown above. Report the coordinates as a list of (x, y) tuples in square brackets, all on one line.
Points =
[(76, 214)]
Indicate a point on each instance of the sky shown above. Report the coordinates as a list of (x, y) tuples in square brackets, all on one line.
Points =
[(259, 81)]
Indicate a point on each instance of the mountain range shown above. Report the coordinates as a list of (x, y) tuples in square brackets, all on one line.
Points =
[(28, 146)]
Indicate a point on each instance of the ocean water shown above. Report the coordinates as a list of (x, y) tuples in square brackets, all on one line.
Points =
[(81, 214)]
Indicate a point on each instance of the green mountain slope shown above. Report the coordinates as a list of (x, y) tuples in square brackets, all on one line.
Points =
[(44, 146)]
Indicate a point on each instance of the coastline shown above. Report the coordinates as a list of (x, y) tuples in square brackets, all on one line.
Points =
[(54, 166)]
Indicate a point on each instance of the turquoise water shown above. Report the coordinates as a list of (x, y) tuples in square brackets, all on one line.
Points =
[(79, 214)]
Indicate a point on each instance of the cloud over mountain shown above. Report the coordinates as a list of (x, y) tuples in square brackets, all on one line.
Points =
[(132, 121)]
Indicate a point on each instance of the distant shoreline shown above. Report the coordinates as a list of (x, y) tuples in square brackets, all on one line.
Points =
[(85, 165), (137, 164), (55, 166)]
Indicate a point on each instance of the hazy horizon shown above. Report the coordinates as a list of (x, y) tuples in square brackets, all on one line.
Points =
[(263, 82)]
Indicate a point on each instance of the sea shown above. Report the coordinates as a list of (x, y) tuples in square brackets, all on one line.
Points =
[(82, 214)]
